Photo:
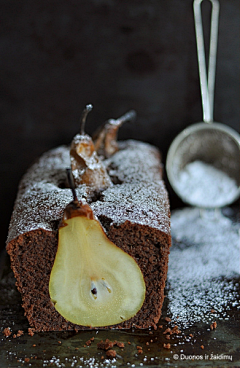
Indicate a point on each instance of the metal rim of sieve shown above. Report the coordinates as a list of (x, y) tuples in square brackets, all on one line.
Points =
[(172, 161)]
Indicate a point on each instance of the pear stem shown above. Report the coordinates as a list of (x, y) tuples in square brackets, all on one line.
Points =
[(71, 184), (129, 116), (85, 113)]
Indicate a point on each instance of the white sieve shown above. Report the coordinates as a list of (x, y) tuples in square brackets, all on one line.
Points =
[(203, 161)]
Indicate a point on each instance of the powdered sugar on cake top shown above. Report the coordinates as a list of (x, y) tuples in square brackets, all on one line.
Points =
[(43, 195), (137, 203), (40, 200), (134, 162)]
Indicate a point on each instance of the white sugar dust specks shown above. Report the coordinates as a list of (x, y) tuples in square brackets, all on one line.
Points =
[(204, 266), (203, 185)]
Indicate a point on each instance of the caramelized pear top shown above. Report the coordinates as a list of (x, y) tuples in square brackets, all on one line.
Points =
[(87, 168), (105, 138), (75, 209)]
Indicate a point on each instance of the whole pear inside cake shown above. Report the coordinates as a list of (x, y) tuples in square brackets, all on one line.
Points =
[(93, 282)]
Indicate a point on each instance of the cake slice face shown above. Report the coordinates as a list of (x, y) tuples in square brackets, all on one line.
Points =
[(93, 282)]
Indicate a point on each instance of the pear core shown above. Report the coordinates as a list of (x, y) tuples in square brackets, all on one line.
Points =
[(93, 282)]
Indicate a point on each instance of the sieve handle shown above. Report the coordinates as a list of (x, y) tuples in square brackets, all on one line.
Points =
[(207, 82)]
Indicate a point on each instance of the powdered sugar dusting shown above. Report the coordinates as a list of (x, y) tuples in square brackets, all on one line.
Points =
[(142, 197), (140, 204), (205, 255), (41, 200), (43, 195), (203, 185), (134, 162)]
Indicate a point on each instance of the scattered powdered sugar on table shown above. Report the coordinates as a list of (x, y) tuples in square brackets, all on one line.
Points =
[(203, 185), (204, 266)]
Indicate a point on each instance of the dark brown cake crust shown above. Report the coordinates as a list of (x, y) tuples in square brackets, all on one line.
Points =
[(134, 213)]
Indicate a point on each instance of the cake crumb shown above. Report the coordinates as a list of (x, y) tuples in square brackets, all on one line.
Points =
[(167, 337), (88, 343), (107, 344), (7, 332), (27, 360), (215, 324), (30, 332), (167, 319), (202, 347), (213, 311), (120, 344), (139, 349), (160, 326), (19, 333), (147, 343), (111, 353), (167, 346), (176, 330), (129, 343)]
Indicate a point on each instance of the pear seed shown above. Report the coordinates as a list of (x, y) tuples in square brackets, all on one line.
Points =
[(106, 286), (94, 291)]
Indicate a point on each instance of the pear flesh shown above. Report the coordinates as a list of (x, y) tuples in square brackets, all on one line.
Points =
[(93, 282)]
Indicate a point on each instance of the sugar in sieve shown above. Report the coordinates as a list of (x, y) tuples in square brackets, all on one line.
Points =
[(203, 161)]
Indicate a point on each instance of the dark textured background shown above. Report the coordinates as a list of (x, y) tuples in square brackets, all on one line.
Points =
[(56, 56)]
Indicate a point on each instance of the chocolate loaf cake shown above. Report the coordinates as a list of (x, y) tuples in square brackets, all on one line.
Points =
[(133, 211)]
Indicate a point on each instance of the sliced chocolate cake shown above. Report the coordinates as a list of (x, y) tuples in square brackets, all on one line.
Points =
[(100, 262)]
